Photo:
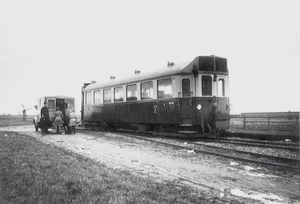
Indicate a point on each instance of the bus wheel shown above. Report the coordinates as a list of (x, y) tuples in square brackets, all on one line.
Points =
[(36, 126)]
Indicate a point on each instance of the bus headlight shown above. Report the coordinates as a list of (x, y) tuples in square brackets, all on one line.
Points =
[(199, 107)]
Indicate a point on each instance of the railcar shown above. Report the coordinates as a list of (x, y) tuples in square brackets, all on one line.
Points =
[(53, 102), (190, 97)]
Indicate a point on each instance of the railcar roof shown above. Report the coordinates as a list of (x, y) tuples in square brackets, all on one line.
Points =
[(180, 68)]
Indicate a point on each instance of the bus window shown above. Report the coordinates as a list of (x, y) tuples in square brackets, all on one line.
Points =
[(206, 86), (164, 88), (118, 94), (107, 96), (186, 88), (51, 104), (70, 103), (221, 87), (147, 90), (131, 92)]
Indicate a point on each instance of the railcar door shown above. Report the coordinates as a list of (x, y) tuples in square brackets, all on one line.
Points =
[(186, 106)]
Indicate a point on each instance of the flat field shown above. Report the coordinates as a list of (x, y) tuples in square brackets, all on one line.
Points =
[(17, 121)]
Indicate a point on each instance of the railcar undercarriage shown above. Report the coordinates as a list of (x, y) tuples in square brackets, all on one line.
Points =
[(177, 129)]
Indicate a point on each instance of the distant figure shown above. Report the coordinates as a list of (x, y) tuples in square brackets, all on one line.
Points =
[(45, 120), (58, 120), (72, 122), (24, 115), (66, 114)]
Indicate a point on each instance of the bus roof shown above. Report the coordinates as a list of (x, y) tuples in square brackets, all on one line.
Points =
[(57, 96)]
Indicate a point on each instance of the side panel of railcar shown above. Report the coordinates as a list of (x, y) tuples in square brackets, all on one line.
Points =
[(213, 112)]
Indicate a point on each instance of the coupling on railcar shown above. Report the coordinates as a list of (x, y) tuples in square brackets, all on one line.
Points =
[(190, 97), (46, 107)]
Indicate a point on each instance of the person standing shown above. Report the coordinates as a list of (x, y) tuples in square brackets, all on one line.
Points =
[(58, 120), (66, 114), (45, 119), (72, 122)]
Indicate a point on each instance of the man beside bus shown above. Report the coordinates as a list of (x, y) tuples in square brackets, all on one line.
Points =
[(45, 119)]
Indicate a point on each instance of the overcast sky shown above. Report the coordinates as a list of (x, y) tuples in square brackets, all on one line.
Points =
[(53, 47)]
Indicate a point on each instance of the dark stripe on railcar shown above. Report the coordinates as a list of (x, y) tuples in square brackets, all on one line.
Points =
[(162, 111)]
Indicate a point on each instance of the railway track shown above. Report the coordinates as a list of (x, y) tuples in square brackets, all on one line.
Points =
[(244, 156), (251, 155), (267, 144), (237, 155)]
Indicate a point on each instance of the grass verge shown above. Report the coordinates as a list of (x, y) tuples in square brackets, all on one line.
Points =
[(34, 172), (4, 122)]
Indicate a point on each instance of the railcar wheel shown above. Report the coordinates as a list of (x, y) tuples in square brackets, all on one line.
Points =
[(111, 126), (207, 129), (200, 129), (221, 133)]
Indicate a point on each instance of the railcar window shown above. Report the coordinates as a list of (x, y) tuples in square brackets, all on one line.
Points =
[(131, 92), (107, 96), (206, 86), (147, 90), (206, 63), (88, 98), (221, 65), (221, 87), (164, 88), (51, 104), (211, 63), (186, 87), (118, 94), (97, 96)]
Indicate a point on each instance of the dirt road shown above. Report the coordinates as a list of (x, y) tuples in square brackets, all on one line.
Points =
[(217, 176)]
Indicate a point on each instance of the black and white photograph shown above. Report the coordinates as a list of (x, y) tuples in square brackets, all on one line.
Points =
[(133, 101)]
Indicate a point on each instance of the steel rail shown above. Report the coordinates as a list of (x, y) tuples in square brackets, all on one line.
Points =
[(252, 144), (250, 141), (290, 160)]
